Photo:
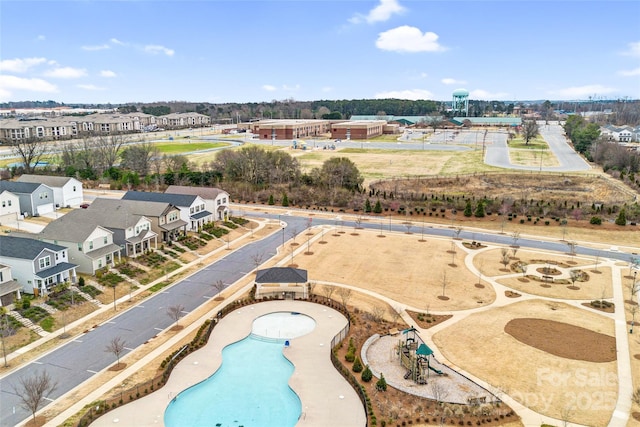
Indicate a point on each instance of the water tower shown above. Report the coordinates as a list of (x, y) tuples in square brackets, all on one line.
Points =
[(460, 105)]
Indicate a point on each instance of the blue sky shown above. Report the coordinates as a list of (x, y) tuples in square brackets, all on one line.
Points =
[(253, 51)]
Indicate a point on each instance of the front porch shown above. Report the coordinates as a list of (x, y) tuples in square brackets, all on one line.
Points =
[(140, 244), (62, 273)]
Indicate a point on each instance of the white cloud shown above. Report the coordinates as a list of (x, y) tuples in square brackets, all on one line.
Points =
[(269, 88), (20, 65), (408, 39), (424, 75), (9, 83), (90, 87), (381, 13), (630, 73), (66, 73), (5, 95), (482, 94), (412, 94), (107, 74), (581, 92), (633, 49), (96, 47), (450, 81), (291, 88), (118, 42), (154, 49)]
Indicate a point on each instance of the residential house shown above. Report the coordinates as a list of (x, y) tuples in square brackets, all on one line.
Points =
[(35, 199), (90, 246), (192, 207), (286, 282), (36, 265), (131, 232), (617, 134), (9, 207), (215, 199), (9, 288), (67, 191), (164, 217)]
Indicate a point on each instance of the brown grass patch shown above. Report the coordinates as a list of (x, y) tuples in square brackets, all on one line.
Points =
[(563, 339), (117, 367)]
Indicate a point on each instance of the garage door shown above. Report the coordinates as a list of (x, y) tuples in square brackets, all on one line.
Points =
[(45, 209)]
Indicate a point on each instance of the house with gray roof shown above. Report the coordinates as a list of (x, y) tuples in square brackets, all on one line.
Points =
[(67, 191), (9, 289), (192, 207), (164, 217), (131, 232), (215, 199), (285, 282), (90, 246), (36, 265), (35, 199)]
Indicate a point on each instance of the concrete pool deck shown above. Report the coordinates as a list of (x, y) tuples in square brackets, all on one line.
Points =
[(327, 398)]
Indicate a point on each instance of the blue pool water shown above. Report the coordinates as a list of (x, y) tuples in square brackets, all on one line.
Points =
[(250, 389)]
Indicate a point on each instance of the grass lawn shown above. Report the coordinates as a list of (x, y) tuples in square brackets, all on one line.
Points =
[(187, 146), (530, 156), (534, 144)]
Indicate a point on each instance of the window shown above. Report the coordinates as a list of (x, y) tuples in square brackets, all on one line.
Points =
[(91, 245), (1, 279), (80, 247), (104, 240), (74, 188), (45, 262), (191, 210), (99, 263), (8, 202), (4, 204)]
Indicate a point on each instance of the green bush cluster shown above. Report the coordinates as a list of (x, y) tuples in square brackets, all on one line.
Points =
[(129, 270), (367, 375), (238, 220), (109, 279), (91, 290), (351, 352), (357, 365)]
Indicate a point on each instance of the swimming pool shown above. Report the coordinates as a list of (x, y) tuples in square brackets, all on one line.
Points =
[(251, 386)]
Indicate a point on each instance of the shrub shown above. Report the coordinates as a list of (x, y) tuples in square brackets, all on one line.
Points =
[(595, 220), (350, 356), (622, 218), (81, 281)]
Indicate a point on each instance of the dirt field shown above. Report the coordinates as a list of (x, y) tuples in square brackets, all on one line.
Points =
[(407, 270), (584, 392)]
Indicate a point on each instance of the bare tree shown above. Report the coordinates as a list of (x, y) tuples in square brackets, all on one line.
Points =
[(328, 291), (438, 391), (523, 268), (219, 286), (358, 222), (257, 259), (515, 236), (408, 225), (574, 275), (505, 259), (33, 390), (115, 347), (108, 148), (504, 211), (30, 151), (457, 232), (529, 130), (397, 313), (514, 251), (597, 260), (293, 232), (572, 248), (444, 282), (345, 295), (6, 330), (175, 312), (378, 312)]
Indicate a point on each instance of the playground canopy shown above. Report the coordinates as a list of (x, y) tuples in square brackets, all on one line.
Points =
[(424, 350)]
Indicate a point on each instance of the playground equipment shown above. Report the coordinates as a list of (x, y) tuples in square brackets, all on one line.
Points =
[(299, 145), (416, 358)]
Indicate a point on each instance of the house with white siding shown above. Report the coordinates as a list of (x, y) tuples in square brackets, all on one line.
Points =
[(36, 265), (67, 191)]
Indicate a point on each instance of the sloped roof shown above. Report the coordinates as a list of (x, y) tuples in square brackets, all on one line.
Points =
[(24, 248), (51, 181), (205, 192), (75, 226), (149, 209), (150, 196), (19, 187), (281, 275)]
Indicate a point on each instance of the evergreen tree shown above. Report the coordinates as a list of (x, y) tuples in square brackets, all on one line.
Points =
[(271, 201), (285, 200), (367, 206), (357, 365), (479, 213), (381, 385), (377, 208), (622, 218), (467, 209), (366, 374)]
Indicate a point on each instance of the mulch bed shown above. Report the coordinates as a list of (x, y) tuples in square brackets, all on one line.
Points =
[(511, 294), (117, 367), (610, 309), (563, 339), (428, 321), (479, 285)]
